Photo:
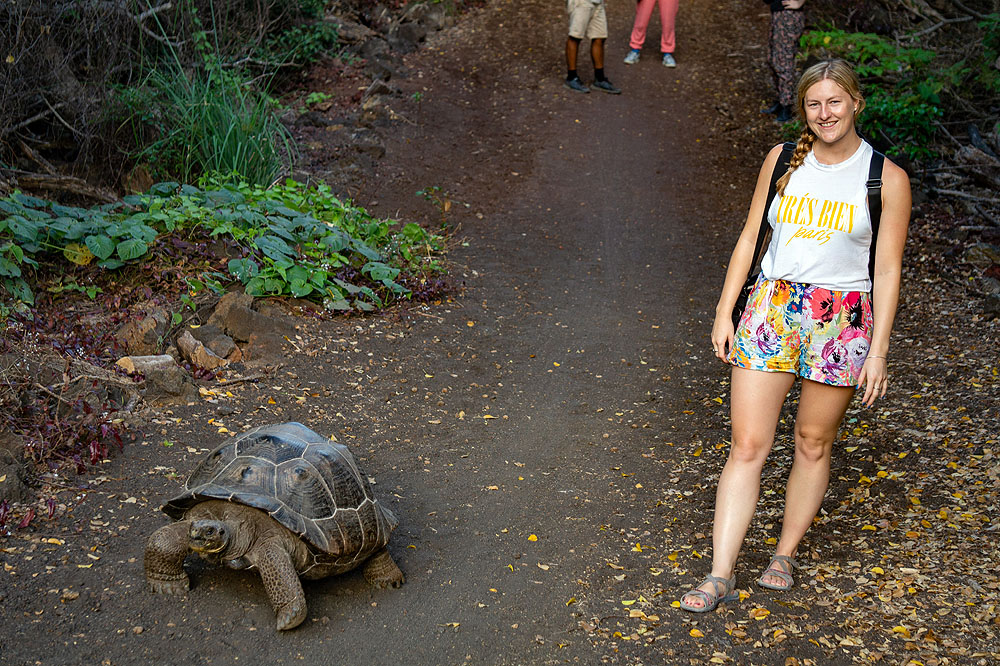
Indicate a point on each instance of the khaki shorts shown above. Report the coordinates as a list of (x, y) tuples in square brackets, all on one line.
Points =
[(587, 19)]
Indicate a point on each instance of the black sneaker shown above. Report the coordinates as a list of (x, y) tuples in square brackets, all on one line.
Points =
[(576, 84), (784, 115), (606, 86)]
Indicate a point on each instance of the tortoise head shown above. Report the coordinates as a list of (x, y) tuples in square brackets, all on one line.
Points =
[(209, 537)]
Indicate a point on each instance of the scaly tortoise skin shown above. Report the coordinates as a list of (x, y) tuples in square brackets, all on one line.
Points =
[(284, 500)]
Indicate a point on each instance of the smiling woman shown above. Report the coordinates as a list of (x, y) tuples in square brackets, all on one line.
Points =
[(819, 311)]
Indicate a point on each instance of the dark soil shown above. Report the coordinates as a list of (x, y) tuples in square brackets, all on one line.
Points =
[(550, 433)]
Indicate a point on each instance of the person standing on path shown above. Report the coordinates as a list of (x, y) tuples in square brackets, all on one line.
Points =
[(587, 18), (788, 21), (817, 311), (643, 13)]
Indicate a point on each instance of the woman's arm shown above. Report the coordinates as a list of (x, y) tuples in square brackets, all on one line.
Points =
[(739, 261), (896, 205)]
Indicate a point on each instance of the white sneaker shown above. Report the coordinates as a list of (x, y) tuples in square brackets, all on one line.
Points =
[(632, 57), (668, 60)]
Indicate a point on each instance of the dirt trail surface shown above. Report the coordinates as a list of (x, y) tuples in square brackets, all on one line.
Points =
[(549, 435)]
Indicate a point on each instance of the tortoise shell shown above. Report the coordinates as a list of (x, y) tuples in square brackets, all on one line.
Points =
[(307, 483)]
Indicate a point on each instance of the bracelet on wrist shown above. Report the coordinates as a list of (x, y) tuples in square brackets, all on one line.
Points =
[(873, 356)]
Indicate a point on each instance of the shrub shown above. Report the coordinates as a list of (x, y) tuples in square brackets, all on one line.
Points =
[(901, 90), (285, 240)]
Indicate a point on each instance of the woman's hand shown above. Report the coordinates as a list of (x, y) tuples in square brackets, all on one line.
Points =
[(875, 378), (793, 4), (722, 337)]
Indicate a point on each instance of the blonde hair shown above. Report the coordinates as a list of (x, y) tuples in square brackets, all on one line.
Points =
[(840, 73)]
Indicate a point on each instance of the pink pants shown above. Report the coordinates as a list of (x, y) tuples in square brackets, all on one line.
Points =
[(643, 12)]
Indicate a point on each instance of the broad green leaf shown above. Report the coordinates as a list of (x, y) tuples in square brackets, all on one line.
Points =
[(100, 245), (131, 249), (300, 288), (364, 250), (255, 286), (8, 268), (377, 270), (274, 247), (243, 269), (164, 189)]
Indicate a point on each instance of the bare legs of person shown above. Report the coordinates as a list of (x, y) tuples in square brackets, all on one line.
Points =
[(757, 398), (572, 47), (596, 52)]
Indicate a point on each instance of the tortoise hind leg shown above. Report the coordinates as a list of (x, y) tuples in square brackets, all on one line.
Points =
[(164, 559), (381, 570), (282, 584)]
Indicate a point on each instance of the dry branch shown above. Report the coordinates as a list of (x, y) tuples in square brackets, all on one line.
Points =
[(71, 184)]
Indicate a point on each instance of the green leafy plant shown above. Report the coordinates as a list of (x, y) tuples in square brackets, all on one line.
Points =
[(288, 240), (301, 44), (316, 97), (441, 200), (902, 90)]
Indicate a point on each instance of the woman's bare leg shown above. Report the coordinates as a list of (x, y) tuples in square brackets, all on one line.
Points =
[(821, 410), (755, 405)]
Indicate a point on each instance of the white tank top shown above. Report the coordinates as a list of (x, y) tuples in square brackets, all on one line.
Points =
[(821, 229)]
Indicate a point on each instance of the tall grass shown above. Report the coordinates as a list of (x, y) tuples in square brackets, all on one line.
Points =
[(214, 121)]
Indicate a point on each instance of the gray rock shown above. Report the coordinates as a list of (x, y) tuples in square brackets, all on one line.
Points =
[(13, 471), (349, 32), (169, 386), (197, 353), (144, 336), (313, 119), (133, 364), (378, 88), (989, 286), (991, 306), (228, 300), (431, 17), (411, 32), (14, 486), (214, 338), (263, 348), (373, 49), (379, 69), (367, 143), (982, 255)]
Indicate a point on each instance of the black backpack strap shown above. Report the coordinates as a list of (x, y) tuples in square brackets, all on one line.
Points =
[(874, 185), (780, 167)]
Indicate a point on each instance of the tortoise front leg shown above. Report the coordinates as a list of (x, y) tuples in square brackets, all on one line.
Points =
[(381, 570), (164, 559), (281, 583)]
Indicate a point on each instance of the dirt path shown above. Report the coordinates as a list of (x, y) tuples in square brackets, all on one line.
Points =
[(549, 436)]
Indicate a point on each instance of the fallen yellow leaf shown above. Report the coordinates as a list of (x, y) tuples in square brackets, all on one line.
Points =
[(532, 538), (759, 613), (697, 633)]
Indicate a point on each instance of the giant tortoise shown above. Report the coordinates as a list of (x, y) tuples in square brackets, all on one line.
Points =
[(283, 500)]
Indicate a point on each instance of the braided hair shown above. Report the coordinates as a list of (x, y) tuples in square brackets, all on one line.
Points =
[(840, 73)]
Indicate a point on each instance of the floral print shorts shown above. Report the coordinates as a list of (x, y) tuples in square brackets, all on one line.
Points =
[(816, 333)]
